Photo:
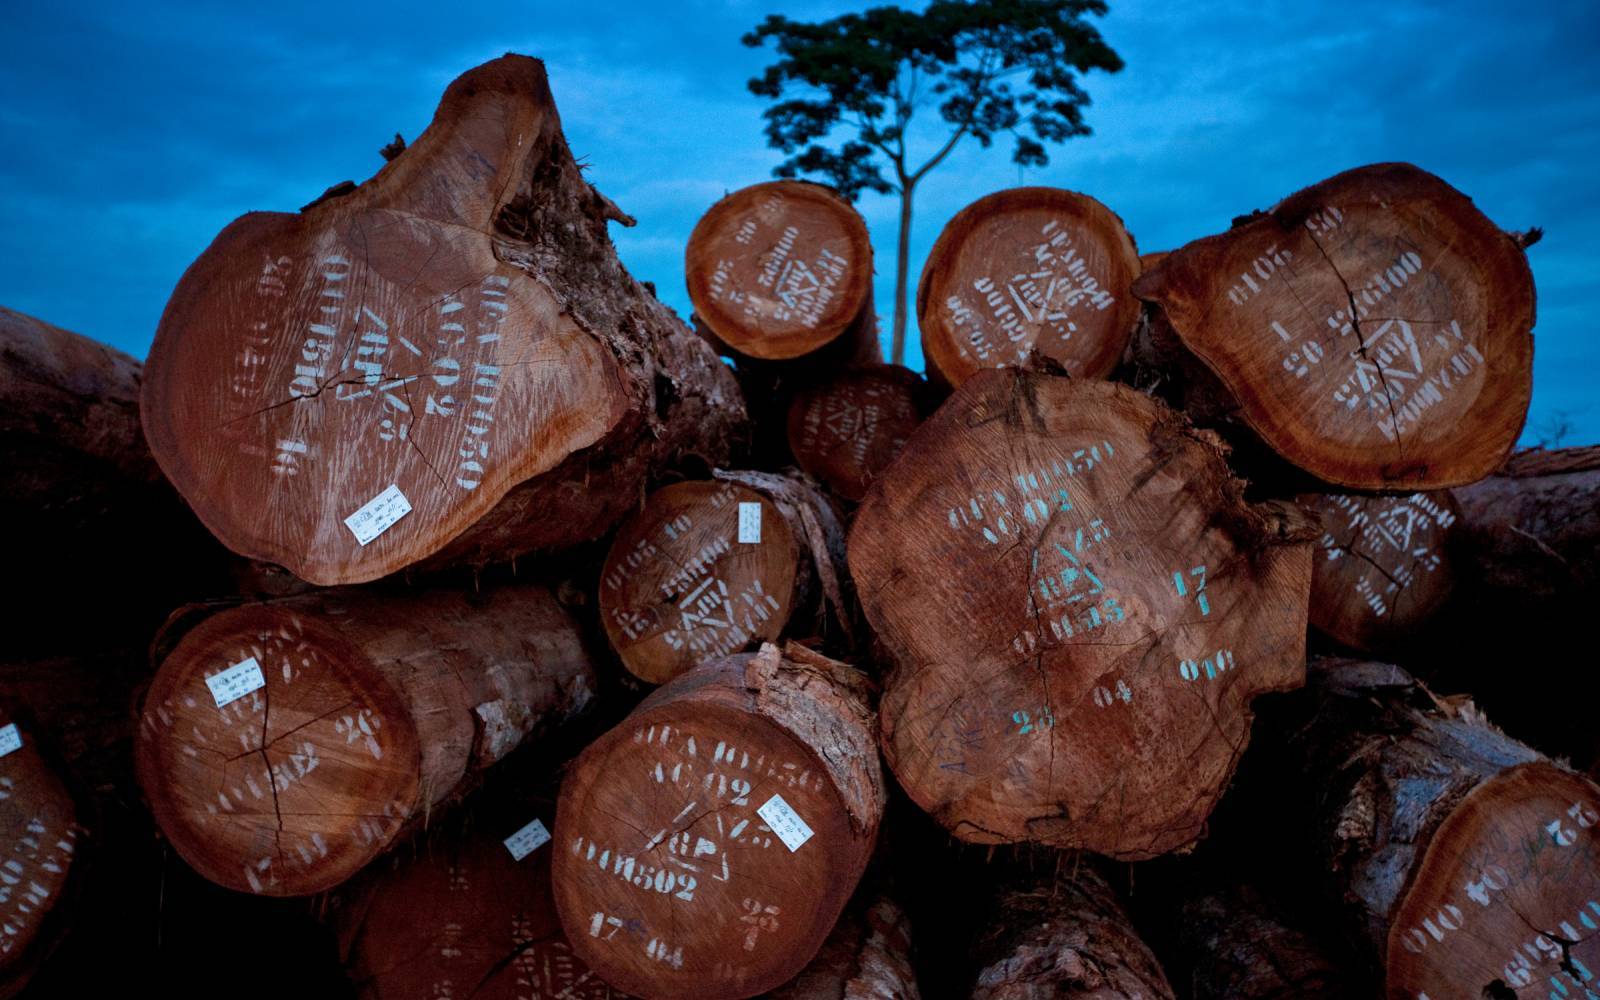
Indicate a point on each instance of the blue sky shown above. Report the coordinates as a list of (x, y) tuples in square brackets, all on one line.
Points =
[(131, 133)]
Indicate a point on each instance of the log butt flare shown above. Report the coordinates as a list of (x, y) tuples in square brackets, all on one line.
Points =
[(457, 917), (781, 269), (39, 836), (1472, 863), (1374, 329), (454, 328), (668, 878), (1080, 608), (848, 428), (1029, 269), (1069, 939), (1383, 567), (376, 709), (867, 957), (1237, 948)]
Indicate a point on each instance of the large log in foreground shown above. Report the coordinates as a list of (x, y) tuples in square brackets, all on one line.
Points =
[(709, 568), (39, 836), (783, 269), (1032, 269), (1080, 608), (368, 712), (1470, 862), (1068, 939), (705, 847), (1374, 329), (846, 428), (452, 344)]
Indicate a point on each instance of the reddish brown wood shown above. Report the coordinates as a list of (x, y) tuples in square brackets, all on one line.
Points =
[(867, 957), (847, 428), (1024, 270), (1383, 567), (459, 327), (1373, 329), (667, 880), (378, 709), (1466, 858), (782, 269), (681, 584), (1532, 530), (1237, 947), (40, 836), (1080, 608), (1069, 939)]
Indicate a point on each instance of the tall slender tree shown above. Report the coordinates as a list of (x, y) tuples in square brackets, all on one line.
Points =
[(991, 67)]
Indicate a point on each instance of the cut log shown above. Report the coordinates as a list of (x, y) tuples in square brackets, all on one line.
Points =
[(1383, 568), (1237, 947), (460, 917), (867, 957), (1374, 329), (81, 490), (1066, 940), (1025, 270), (1470, 862), (682, 862), (1080, 608), (376, 710), (1532, 531), (782, 269), (456, 332), (847, 428), (710, 568), (39, 835)]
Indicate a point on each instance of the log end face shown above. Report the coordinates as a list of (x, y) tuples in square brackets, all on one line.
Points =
[(293, 786), (40, 835), (846, 430)]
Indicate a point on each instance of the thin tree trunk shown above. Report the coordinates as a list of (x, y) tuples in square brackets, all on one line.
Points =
[(902, 260)]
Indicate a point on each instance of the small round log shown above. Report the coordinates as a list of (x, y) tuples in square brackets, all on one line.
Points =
[(1383, 567), (1374, 329), (1032, 269), (376, 710), (847, 428), (780, 270), (1238, 948), (1080, 608), (672, 873)]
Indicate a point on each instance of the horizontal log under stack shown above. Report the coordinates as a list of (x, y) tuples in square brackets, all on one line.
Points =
[(1384, 565), (447, 363), (1373, 329), (283, 745), (706, 846), (1237, 947), (40, 837), (1032, 269), (866, 957), (1468, 862), (1065, 939), (1079, 607), (847, 427), (709, 568)]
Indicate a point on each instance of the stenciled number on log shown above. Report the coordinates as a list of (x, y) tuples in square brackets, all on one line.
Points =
[(1198, 574), (803, 290), (1211, 666)]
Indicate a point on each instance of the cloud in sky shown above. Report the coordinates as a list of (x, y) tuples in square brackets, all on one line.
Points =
[(129, 137)]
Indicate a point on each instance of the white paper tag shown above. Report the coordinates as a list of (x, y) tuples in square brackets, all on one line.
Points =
[(785, 822), (10, 738), (749, 521), (236, 681), (380, 512), (527, 840)]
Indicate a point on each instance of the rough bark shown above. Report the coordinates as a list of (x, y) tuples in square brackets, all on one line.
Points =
[(1384, 565), (81, 491), (1069, 939), (377, 709), (780, 270), (458, 327), (867, 957), (1238, 948), (1373, 329), (845, 429), (667, 879), (683, 584), (1080, 608), (1468, 862), (1532, 530), (1031, 269), (40, 835)]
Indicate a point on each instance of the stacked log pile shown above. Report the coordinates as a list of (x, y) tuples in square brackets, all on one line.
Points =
[(472, 629)]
